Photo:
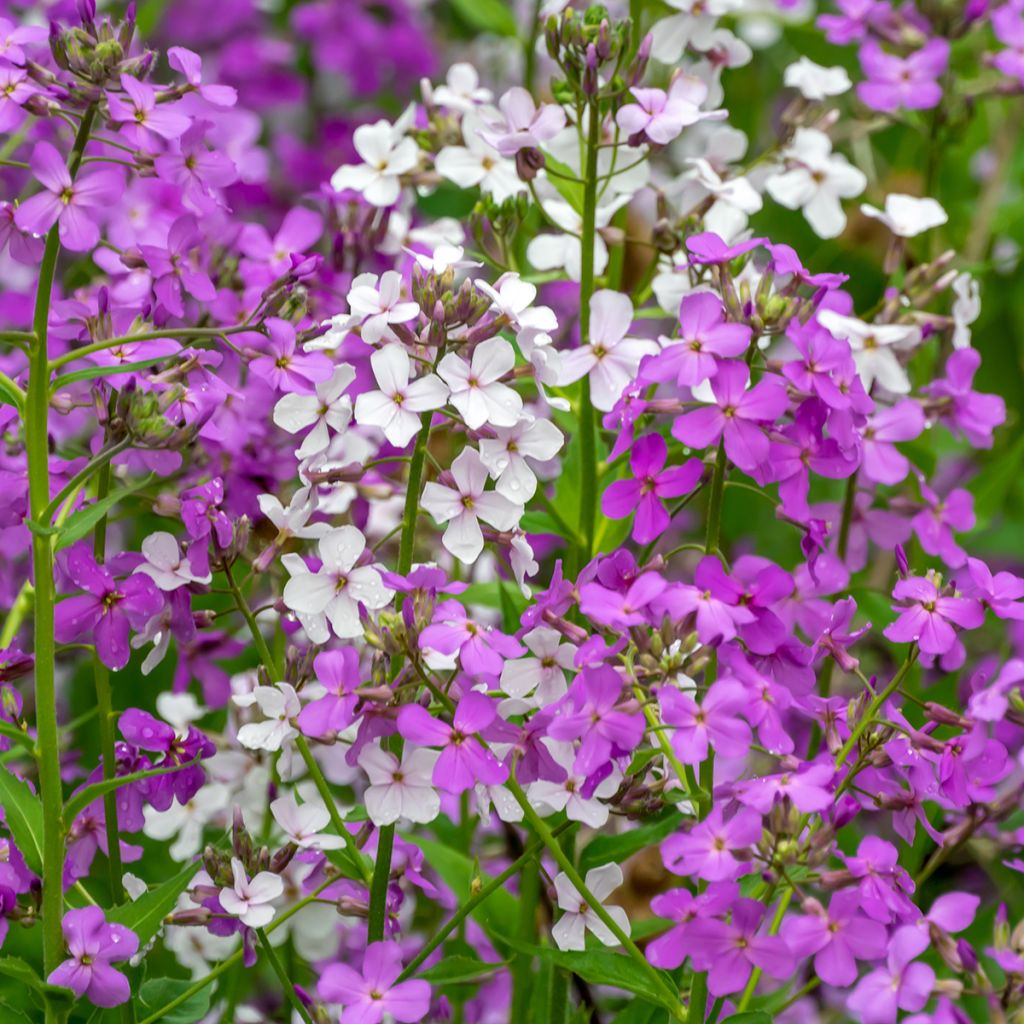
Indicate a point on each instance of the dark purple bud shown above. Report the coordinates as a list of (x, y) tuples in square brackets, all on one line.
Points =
[(968, 957), (528, 162), (901, 561)]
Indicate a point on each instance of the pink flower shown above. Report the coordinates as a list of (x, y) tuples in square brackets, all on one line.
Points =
[(661, 116), (367, 997), (524, 125), (94, 945), (651, 483), (709, 849), (903, 984), (144, 121), (910, 82), (928, 617), (714, 723), (65, 201), (283, 367)]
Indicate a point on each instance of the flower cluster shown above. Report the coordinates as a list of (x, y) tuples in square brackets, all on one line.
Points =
[(463, 560)]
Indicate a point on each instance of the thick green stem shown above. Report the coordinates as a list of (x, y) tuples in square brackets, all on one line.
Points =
[(286, 983), (755, 974), (714, 523), (37, 446), (849, 500), (588, 416)]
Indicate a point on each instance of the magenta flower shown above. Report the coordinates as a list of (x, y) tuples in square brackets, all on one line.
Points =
[(591, 713), (338, 672), (910, 82), (94, 945), (934, 525), (283, 367), (707, 247), (621, 608), (108, 609), (964, 410), (367, 997), (705, 337), (175, 271), (928, 617), (680, 905), (736, 414), (903, 984), (71, 203), (196, 169), (882, 885), (730, 951), (482, 649), (464, 761), (714, 601), (882, 462), (809, 789), (144, 122), (714, 723), (651, 484), (836, 938), (821, 357), (709, 849)]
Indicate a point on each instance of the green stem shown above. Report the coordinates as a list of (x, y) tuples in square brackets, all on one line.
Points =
[(755, 974), (254, 627), (698, 1002), (282, 976), (714, 524), (588, 416), (37, 445), (547, 837), (849, 500)]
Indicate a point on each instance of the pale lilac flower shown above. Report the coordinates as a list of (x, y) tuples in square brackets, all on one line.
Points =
[(464, 505), (660, 117), (251, 900), (565, 251), (911, 82), (304, 824), (513, 299), (903, 984), (609, 358), (166, 566), (524, 124), (73, 204), (543, 675), (337, 590), (94, 945), (476, 388), (505, 455), (374, 994), (397, 407), (462, 90), (572, 794), (143, 121), (328, 409), (279, 705), (474, 164), (386, 157), (578, 917), (378, 304), (399, 790)]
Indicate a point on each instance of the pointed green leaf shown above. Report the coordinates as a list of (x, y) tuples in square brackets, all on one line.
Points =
[(23, 813), (146, 914)]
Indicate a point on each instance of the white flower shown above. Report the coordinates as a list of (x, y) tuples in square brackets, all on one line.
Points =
[(475, 163), (379, 304), (165, 565), (445, 257), (966, 309), (815, 82), (476, 388), (250, 900), (611, 359), (304, 824), (179, 710), (816, 181), (907, 216), (873, 348), (462, 506), (692, 27), (337, 590), (570, 931), (505, 455), (328, 409), (505, 804), (399, 790), (397, 406), (513, 298), (184, 823), (543, 673), (524, 565), (279, 704), (735, 199), (386, 157), (462, 90), (567, 795), (293, 521), (553, 252), (539, 350)]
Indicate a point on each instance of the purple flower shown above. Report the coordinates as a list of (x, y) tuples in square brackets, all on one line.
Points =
[(817, 372), (680, 905), (963, 410), (882, 462), (107, 610), (837, 938), (643, 495), (730, 951), (836, 639), (94, 945), (368, 996), (591, 713), (621, 608), (175, 270), (714, 600), (714, 723), (934, 525), (338, 672), (464, 762), (735, 414), (705, 337), (911, 82), (286, 369), (882, 884), (903, 984), (482, 649), (71, 203), (144, 122), (709, 849), (808, 789), (195, 168), (524, 125), (928, 617), (707, 247)]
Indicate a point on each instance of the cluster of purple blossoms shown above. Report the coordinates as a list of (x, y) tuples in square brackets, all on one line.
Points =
[(433, 601)]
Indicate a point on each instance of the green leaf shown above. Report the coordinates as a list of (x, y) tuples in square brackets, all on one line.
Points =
[(90, 372), (993, 485), (158, 992), (570, 191), (750, 1017), (598, 967), (24, 815), (454, 970), (13, 733), (604, 848), (458, 872), (344, 860), (86, 796), (10, 391), (23, 973), (82, 522), (146, 914), (487, 16), (637, 1012)]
